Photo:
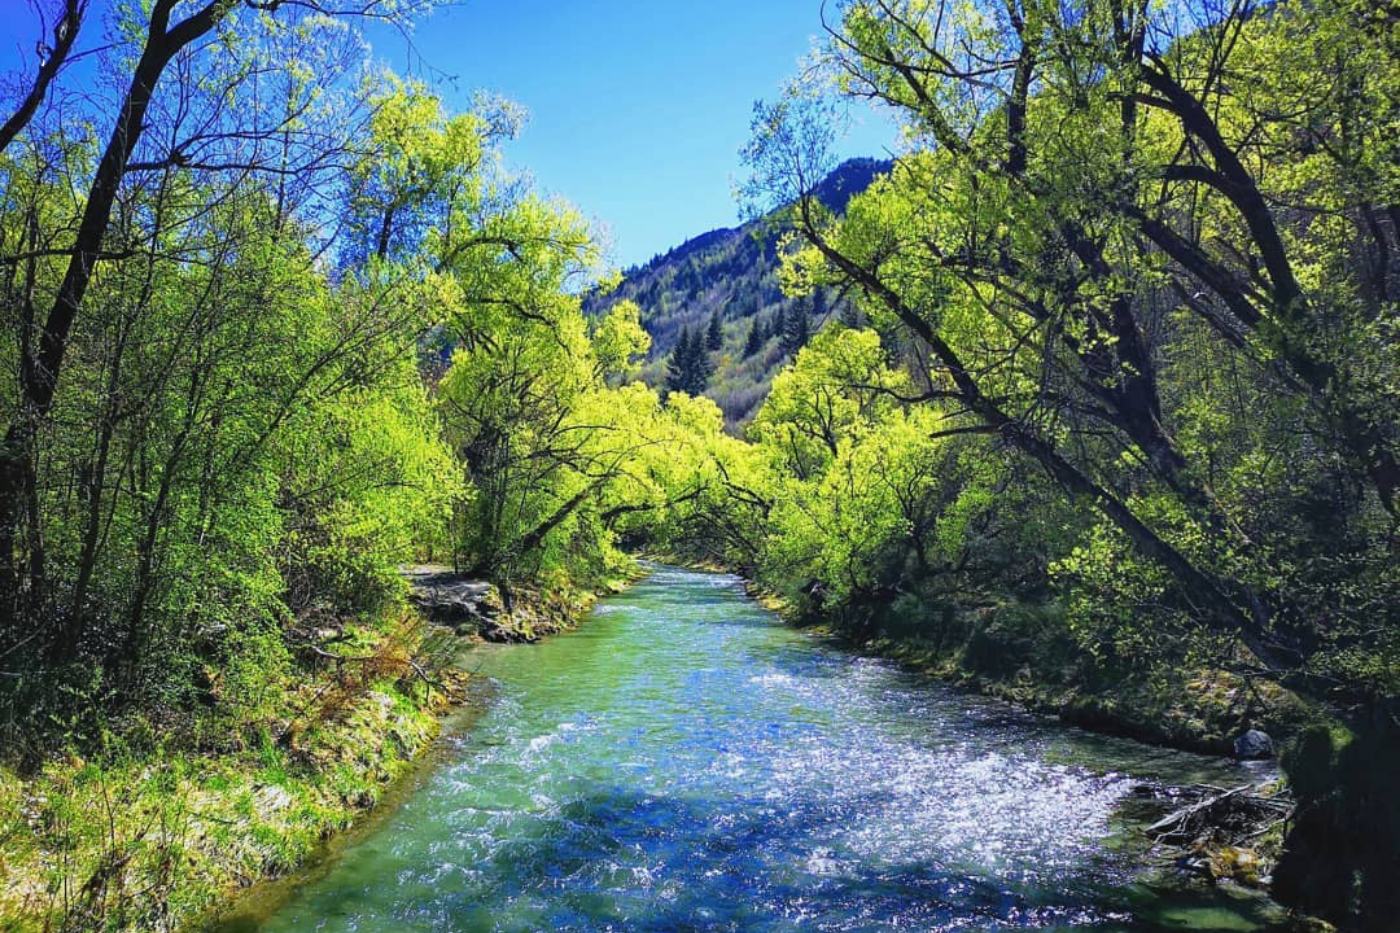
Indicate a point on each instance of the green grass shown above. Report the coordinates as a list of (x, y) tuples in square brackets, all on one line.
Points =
[(156, 842)]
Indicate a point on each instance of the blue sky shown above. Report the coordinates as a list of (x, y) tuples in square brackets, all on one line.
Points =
[(637, 107)]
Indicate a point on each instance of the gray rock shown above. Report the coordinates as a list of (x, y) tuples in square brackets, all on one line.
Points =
[(1254, 745), (453, 600)]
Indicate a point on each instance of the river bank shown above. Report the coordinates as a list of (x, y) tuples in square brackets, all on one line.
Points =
[(1023, 654), (157, 833)]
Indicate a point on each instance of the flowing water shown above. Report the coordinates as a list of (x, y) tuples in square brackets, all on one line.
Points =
[(684, 762)]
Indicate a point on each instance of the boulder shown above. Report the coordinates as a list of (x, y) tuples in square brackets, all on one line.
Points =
[(1254, 745), (454, 600)]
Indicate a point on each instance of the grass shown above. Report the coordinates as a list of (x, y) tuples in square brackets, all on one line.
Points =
[(153, 843), (156, 839)]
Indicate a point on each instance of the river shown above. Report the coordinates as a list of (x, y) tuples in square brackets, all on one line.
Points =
[(685, 762)]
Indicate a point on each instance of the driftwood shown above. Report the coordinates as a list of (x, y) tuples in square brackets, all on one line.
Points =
[(1220, 816)]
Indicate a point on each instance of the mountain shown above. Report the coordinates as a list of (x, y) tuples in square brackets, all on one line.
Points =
[(733, 271)]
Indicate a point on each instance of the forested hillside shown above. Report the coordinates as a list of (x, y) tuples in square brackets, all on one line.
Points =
[(729, 279)]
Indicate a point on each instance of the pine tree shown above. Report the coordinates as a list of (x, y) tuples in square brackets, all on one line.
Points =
[(755, 341), (801, 331), (701, 367), (714, 339), (689, 367), (677, 366), (796, 330)]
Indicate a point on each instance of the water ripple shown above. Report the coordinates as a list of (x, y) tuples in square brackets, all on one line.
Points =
[(685, 763)]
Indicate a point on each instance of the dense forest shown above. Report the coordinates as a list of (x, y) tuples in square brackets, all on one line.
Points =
[(1094, 387)]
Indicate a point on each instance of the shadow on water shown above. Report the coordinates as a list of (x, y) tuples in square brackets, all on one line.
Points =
[(684, 763), (756, 869)]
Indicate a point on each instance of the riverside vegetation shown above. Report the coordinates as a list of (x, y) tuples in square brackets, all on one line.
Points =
[(1108, 420)]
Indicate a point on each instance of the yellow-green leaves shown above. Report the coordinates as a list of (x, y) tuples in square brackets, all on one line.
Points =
[(837, 387), (618, 339)]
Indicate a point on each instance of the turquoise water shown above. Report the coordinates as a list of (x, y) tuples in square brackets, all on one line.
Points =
[(684, 762)]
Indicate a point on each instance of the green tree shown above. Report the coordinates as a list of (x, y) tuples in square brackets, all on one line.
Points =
[(689, 367), (796, 328), (1100, 251), (755, 340), (1074, 297), (679, 362), (206, 136), (225, 440), (619, 339), (714, 336)]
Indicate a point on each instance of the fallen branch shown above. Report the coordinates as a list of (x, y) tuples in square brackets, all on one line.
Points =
[(430, 681), (1223, 816)]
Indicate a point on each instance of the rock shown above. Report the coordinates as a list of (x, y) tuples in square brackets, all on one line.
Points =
[(1241, 865), (1254, 745), (457, 601)]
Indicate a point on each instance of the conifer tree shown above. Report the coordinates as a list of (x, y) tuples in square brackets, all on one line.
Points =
[(754, 343), (796, 330), (701, 366), (678, 363), (689, 367), (714, 339)]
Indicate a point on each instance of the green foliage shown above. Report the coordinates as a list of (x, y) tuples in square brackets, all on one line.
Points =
[(619, 338), (240, 450), (1078, 293), (527, 403), (866, 497)]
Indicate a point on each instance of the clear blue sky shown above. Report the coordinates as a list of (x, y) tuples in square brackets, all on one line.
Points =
[(637, 107)]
